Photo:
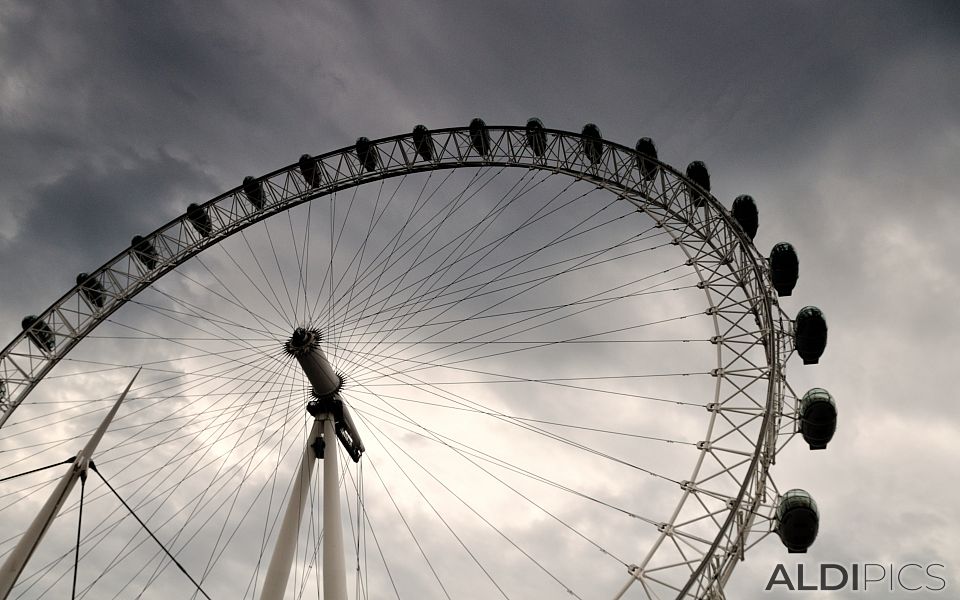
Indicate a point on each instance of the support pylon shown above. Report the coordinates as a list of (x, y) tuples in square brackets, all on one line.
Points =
[(332, 421), (17, 560)]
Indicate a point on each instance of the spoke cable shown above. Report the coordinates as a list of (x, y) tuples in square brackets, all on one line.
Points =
[(147, 529)]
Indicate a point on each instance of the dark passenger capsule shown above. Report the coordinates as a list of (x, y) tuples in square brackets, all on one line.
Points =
[(797, 520), (480, 136), (199, 219), (92, 290), (423, 142), (810, 334), (366, 154), (818, 418), (144, 251), (745, 212), (647, 149), (39, 332), (254, 191), (784, 268), (536, 136), (697, 173), (592, 143), (308, 168)]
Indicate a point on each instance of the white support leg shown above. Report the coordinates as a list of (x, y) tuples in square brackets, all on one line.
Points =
[(325, 383), (17, 560), (275, 582), (334, 566), (334, 569)]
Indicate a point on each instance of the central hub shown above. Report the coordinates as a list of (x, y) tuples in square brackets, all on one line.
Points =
[(304, 345), (303, 341)]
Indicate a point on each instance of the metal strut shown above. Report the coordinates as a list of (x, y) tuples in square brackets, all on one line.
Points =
[(275, 582), (331, 420), (17, 560)]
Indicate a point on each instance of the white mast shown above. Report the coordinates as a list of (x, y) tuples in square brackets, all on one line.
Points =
[(17, 560)]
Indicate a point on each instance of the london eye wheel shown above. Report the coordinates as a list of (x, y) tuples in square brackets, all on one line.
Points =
[(531, 362)]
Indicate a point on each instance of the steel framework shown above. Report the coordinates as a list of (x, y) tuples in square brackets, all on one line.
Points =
[(749, 420)]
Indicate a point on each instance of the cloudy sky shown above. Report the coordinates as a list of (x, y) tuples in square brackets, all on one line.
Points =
[(841, 119)]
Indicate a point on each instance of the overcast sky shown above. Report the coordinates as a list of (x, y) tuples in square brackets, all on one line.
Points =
[(841, 119)]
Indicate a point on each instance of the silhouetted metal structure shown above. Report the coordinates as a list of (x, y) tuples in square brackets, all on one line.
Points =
[(742, 289)]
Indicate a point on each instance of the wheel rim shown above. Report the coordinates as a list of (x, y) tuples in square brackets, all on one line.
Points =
[(719, 257)]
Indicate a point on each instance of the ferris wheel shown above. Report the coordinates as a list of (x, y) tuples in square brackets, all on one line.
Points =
[(532, 362)]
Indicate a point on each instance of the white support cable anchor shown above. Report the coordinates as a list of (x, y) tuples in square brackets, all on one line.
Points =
[(18, 558)]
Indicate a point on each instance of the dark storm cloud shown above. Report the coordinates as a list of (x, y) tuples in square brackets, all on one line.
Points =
[(690, 73), (99, 103), (71, 210), (92, 83), (109, 68), (87, 215)]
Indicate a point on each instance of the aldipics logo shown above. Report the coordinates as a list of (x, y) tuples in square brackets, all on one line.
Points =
[(859, 577)]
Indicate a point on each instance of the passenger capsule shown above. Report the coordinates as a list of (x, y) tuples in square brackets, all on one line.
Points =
[(797, 520), (745, 212), (536, 136), (366, 154), (698, 174), (592, 143), (423, 142), (199, 219), (647, 149), (818, 418), (145, 252), (784, 268), (810, 334), (308, 168), (254, 191), (480, 136), (92, 290), (39, 332)]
